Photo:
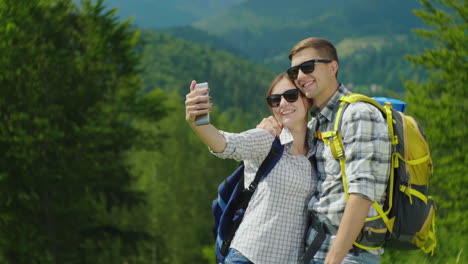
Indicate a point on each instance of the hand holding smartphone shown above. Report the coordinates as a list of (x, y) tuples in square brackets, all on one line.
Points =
[(205, 118)]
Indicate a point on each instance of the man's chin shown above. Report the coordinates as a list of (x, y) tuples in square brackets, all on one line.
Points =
[(309, 94)]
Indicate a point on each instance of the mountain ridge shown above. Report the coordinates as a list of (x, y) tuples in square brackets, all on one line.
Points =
[(162, 14), (372, 37)]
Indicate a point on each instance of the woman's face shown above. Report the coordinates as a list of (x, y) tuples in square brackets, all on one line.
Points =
[(290, 114)]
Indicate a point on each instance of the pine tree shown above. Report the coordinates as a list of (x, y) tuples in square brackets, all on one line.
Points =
[(440, 104), (69, 95)]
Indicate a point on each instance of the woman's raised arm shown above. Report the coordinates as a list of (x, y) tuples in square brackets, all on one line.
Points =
[(198, 103)]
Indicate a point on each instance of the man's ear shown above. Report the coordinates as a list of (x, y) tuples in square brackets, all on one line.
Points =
[(333, 67)]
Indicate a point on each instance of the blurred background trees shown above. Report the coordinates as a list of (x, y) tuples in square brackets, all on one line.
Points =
[(69, 97), (440, 103), (99, 165)]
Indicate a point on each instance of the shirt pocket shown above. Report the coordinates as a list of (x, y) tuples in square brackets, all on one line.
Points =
[(332, 165)]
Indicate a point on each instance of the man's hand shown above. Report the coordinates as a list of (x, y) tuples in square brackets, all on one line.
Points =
[(271, 125)]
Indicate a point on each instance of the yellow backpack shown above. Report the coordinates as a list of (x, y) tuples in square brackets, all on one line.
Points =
[(407, 219)]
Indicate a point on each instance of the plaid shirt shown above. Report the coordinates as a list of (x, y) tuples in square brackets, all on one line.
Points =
[(368, 158), (274, 223)]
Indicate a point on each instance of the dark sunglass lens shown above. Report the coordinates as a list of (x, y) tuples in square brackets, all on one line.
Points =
[(308, 67), (291, 95), (274, 100), (292, 73)]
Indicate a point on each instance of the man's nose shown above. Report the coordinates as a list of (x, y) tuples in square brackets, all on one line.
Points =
[(300, 74)]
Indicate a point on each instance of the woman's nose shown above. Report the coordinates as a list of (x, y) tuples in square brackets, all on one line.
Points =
[(283, 101)]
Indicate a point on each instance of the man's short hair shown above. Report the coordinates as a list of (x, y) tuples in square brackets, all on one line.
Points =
[(324, 47)]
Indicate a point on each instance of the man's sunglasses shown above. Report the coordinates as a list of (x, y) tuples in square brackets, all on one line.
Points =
[(291, 96), (306, 67)]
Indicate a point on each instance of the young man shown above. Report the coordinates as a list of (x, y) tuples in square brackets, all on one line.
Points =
[(314, 69)]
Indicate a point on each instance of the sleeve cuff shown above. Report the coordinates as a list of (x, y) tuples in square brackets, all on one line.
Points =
[(363, 190)]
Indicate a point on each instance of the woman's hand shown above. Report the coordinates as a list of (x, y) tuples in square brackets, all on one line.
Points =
[(197, 102)]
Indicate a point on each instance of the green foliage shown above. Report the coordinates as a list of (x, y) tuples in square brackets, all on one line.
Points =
[(265, 31), (171, 64), (381, 59), (269, 17), (96, 171), (84, 176), (182, 179), (195, 35), (183, 191), (439, 104), (69, 92)]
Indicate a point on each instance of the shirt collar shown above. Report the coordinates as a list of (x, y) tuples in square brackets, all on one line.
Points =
[(286, 136), (327, 111), (287, 139)]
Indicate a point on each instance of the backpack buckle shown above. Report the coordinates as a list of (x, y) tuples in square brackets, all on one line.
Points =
[(252, 187), (334, 139)]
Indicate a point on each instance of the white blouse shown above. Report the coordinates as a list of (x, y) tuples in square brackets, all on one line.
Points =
[(274, 225)]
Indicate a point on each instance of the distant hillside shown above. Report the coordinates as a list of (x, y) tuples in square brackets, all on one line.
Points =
[(268, 27), (372, 36), (202, 37), (163, 13), (171, 64)]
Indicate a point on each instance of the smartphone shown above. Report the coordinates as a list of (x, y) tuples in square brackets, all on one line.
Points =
[(202, 119)]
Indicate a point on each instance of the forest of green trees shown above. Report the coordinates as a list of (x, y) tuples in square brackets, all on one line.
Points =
[(99, 166)]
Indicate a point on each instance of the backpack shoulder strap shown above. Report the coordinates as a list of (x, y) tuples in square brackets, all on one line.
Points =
[(334, 139), (267, 165), (352, 98)]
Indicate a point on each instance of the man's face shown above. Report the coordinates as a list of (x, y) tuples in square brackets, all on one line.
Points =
[(318, 84)]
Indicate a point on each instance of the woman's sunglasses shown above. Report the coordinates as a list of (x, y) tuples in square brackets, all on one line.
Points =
[(291, 96), (306, 67)]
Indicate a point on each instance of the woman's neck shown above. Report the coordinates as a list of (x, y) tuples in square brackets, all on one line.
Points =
[(299, 146)]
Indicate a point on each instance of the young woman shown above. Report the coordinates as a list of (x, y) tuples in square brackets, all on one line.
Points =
[(273, 227)]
